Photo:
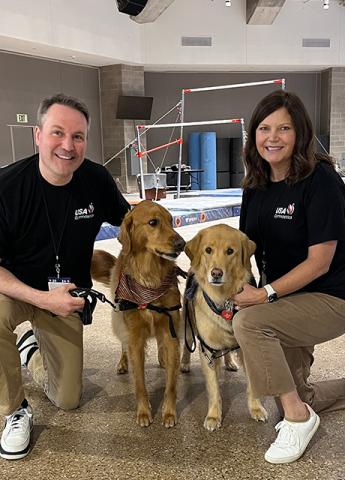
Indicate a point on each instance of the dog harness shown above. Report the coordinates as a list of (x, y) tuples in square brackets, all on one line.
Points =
[(227, 313), (132, 295)]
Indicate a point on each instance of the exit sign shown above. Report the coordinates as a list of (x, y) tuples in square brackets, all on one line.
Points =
[(22, 118)]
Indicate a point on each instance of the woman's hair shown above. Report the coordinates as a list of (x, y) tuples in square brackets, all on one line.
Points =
[(304, 155), (62, 99)]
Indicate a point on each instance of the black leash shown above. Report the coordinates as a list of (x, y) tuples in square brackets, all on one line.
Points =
[(210, 353), (90, 296)]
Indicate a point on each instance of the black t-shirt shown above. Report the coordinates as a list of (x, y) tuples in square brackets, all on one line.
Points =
[(285, 220), (76, 212)]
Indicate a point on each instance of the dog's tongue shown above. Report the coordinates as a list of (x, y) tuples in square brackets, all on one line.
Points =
[(227, 314)]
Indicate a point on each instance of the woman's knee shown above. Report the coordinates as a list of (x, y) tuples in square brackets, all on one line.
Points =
[(244, 322)]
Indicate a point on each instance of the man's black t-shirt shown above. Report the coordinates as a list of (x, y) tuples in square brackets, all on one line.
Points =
[(75, 212), (285, 220)]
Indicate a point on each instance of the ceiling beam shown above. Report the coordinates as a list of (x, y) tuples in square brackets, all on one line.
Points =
[(152, 10), (263, 12)]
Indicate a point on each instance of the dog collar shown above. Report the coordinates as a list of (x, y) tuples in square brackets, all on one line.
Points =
[(227, 311)]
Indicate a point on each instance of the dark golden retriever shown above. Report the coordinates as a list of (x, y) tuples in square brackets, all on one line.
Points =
[(220, 266), (144, 280)]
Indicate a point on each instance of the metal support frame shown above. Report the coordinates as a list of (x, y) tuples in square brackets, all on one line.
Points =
[(280, 81), (181, 124), (12, 138)]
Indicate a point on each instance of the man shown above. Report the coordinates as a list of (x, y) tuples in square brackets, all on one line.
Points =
[(51, 208)]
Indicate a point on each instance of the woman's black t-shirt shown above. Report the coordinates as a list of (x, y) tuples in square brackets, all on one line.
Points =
[(285, 220)]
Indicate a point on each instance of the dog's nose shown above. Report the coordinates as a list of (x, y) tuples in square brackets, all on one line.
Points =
[(179, 243), (216, 273)]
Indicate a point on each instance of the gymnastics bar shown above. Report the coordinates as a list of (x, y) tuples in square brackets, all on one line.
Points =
[(280, 81), (171, 125)]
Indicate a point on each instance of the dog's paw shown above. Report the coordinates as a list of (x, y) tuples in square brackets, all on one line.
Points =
[(120, 370), (259, 413), (122, 366), (185, 367), (212, 423), (169, 420), (144, 419)]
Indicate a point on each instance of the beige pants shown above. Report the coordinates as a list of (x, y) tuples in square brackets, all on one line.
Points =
[(58, 364), (277, 342)]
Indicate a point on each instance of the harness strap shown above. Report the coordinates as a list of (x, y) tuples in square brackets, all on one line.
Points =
[(191, 288), (123, 305), (214, 352)]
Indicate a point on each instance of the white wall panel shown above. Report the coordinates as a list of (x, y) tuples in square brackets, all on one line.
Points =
[(85, 26)]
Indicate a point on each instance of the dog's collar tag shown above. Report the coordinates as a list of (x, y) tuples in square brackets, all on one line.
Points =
[(142, 306), (227, 314)]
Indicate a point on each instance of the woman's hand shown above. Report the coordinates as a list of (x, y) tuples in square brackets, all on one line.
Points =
[(250, 296)]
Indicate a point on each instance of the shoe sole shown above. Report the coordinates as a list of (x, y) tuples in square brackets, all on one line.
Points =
[(296, 457), (14, 455)]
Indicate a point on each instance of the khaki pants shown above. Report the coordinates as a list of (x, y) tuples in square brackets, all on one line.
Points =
[(277, 342), (58, 364)]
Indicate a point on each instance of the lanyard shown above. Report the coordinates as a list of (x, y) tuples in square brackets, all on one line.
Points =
[(56, 245)]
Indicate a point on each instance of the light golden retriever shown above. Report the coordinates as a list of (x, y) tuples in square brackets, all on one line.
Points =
[(220, 266), (146, 269)]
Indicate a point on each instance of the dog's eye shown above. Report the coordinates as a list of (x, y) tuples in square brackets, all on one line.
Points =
[(229, 251), (153, 222), (208, 250)]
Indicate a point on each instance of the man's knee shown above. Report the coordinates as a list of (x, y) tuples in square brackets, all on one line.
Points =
[(66, 400)]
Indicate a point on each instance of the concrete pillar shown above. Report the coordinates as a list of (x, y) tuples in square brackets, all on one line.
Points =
[(337, 114), (118, 80)]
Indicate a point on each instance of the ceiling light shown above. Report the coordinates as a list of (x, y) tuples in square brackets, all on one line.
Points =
[(326, 4), (228, 3)]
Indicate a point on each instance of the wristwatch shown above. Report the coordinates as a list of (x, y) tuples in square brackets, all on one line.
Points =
[(271, 293)]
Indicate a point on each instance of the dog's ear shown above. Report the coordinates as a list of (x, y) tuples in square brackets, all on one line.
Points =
[(125, 234), (248, 248), (192, 247)]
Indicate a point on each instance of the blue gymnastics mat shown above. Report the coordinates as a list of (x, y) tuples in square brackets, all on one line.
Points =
[(193, 207)]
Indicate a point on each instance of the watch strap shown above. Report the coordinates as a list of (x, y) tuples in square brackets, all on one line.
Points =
[(269, 290)]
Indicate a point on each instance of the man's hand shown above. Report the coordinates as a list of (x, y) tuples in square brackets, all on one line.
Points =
[(60, 302), (250, 296)]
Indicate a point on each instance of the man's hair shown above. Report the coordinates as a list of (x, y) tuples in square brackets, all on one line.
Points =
[(62, 99), (304, 156)]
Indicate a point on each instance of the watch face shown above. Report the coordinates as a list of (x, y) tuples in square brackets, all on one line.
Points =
[(272, 298)]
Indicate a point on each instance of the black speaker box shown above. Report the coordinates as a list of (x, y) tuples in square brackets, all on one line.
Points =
[(131, 7)]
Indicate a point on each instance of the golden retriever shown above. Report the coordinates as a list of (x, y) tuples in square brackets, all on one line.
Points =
[(144, 278), (220, 266)]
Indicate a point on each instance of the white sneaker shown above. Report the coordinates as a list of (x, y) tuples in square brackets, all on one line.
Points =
[(15, 439), (292, 439)]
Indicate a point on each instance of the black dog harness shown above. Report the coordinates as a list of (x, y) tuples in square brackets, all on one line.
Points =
[(227, 313), (120, 305)]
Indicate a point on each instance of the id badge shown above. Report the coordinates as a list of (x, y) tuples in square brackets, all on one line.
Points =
[(54, 282)]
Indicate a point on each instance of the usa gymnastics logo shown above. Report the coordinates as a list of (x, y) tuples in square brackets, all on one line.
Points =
[(285, 213), (84, 213)]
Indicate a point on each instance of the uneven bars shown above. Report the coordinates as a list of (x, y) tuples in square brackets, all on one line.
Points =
[(190, 124), (280, 81), (141, 154)]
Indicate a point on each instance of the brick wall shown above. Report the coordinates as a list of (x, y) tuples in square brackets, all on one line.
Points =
[(119, 80)]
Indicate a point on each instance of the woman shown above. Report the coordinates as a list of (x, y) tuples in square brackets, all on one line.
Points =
[(293, 208)]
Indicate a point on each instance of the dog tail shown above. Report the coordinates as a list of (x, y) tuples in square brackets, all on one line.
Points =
[(102, 264)]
